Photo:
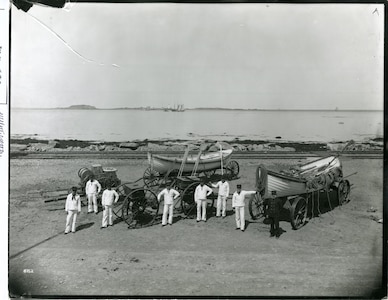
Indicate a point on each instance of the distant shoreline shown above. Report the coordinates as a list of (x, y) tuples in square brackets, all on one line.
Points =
[(31, 145)]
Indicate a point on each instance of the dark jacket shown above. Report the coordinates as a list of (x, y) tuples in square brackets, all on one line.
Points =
[(274, 206)]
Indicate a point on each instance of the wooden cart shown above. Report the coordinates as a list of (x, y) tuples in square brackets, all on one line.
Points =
[(299, 188)]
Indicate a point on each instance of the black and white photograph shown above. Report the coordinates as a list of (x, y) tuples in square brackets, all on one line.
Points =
[(168, 150)]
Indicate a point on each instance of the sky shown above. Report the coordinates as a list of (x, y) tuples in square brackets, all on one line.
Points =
[(252, 56)]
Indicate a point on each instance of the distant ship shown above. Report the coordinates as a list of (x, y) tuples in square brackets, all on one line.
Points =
[(177, 108)]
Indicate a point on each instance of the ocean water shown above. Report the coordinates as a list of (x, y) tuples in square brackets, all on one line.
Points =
[(129, 125)]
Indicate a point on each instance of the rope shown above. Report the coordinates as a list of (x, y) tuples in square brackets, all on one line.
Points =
[(319, 211), (312, 204), (261, 179), (184, 159)]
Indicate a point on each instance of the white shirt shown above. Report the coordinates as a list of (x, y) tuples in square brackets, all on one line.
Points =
[(201, 192), (239, 199), (109, 196), (93, 187), (223, 188), (169, 196), (73, 203)]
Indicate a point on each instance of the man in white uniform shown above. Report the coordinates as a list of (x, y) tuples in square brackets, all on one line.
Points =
[(202, 191), (92, 189), (169, 196), (238, 202), (223, 193), (109, 197), (72, 207)]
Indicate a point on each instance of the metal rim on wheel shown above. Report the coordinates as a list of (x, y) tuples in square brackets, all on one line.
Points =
[(140, 208), (298, 213), (187, 200), (256, 206), (122, 190), (151, 177), (232, 169), (343, 191)]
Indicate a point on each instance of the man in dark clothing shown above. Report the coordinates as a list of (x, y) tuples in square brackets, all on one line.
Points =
[(274, 206)]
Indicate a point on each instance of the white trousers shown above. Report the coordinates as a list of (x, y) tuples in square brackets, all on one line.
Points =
[(221, 205), (201, 204), (70, 220), (92, 203), (167, 210), (240, 217), (107, 216)]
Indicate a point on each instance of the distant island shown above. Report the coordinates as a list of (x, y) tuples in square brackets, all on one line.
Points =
[(82, 106)]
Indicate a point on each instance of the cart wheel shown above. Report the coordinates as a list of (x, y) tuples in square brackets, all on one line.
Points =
[(343, 192), (209, 173), (256, 207), (140, 208), (187, 200), (232, 169), (122, 190), (298, 213), (151, 177)]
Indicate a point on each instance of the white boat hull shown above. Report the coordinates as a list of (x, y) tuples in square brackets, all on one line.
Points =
[(284, 185), (291, 185), (207, 162)]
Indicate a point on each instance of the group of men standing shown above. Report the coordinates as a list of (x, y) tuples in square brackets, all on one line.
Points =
[(92, 189), (202, 191)]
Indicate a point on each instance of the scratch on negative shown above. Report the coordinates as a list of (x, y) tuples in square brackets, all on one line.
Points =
[(67, 45), (1, 134)]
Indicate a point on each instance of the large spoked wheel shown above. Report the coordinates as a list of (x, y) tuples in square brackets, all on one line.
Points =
[(298, 213), (256, 206), (123, 190), (187, 200), (151, 177), (232, 169), (343, 192), (140, 208)]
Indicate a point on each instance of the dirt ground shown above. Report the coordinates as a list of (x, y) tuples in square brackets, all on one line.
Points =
[(338, 253)]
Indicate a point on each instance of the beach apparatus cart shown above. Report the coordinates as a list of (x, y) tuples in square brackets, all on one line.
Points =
[(298, 187), (186, 186), (137, 206), (102, 175), (164, 169)]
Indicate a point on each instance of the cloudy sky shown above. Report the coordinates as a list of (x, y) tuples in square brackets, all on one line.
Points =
[(270, 56)]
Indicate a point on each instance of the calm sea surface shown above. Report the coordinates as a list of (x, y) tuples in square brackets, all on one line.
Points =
[(128, 125)]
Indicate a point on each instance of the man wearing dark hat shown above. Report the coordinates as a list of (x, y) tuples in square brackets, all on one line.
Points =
[(273, 207), (238, 203), (72, 207)]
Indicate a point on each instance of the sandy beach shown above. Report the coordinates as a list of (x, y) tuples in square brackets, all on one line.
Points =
[(338, 253)]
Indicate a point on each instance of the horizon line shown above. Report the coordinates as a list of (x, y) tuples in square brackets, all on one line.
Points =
[(194, 108)]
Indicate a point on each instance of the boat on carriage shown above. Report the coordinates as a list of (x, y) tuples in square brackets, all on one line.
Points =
[(296, 186), (209, 158), (207, 161), (299, 179)]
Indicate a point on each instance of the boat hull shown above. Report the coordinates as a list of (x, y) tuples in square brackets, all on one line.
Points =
[(284, 185), (319, 166), (208, 162), (291, 185)]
